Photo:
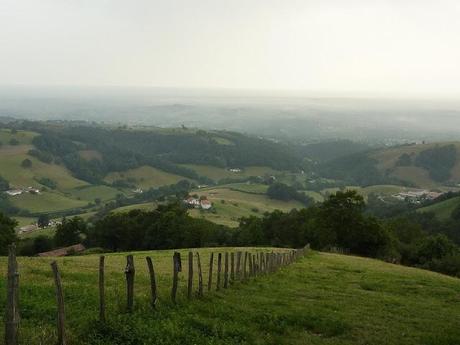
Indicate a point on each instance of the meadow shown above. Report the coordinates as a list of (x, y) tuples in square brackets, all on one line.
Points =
[(443, 210), (323, 299)]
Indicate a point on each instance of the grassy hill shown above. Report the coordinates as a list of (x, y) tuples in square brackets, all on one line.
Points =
[(216, 174), (324, 299), (145, 177), (230, 204), (387, 159), (443, 209)]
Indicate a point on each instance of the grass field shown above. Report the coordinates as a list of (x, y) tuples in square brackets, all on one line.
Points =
[(443, 209), (23, 137), (238, 204), (388, 157), (217, 174), (148, 206), (46, 202), (324, 299), (253, 188), (145, 177), (11, 158), (89, 193)]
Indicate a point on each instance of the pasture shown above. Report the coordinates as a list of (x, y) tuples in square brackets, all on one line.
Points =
[(145, 177), (324, 299)]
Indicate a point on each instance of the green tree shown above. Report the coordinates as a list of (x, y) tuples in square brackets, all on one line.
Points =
[(26, 163), (4, 184), (43, 221), (7, 233), (69, 231)]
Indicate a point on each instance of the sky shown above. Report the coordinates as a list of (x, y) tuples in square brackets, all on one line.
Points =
[(377, 47)]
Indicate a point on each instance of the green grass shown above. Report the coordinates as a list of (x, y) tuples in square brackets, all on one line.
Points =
[(23, 137), (89, 193), (148, 206), (48, 232), (45, 202), (217, 174), (145, 177), (443, 209), (253, 188), (324, 299), (238, 204), (10, 164)]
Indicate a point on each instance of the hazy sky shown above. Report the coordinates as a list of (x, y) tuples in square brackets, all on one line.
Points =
[(376, 46)]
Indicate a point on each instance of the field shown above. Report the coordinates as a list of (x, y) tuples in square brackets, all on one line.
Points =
[(324, 299), (89, 193), (238, 204), (145, 177), (148, 206), (10, 163), (442, 209), (387, 158), (217, 174), (45, 202), (23, 137)]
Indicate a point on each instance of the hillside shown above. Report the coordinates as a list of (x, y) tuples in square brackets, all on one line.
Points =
[(443, 210), (430, 166), (324, 299)]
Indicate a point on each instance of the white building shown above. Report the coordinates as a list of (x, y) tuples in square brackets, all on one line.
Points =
[(14, 192)]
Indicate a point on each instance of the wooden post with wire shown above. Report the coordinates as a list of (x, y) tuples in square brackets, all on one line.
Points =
[(12, 299)]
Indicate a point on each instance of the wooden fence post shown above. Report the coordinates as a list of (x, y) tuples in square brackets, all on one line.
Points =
[(129, 273), (244, 265), (101, 289), (226, 271), (232, 266), (12, 299), (177, 267), (153, 282), (190, 275), (60, 303), (219, 270), (200, 275), (238, 265), (211, 264), (250, 264)]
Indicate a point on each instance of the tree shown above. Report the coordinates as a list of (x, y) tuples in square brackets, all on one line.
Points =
[(69, 231), (7, 233), (14, 142), (26, 163), (43, 221), (4, 184)]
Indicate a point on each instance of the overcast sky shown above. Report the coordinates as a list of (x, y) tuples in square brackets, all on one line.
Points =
[(371, 46)]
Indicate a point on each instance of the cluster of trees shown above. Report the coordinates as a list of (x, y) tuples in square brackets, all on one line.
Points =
[(281, 191), (4, 184), (123, 149), (439, 161)]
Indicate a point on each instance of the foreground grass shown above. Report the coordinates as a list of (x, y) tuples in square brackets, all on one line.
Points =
[(323, 299)]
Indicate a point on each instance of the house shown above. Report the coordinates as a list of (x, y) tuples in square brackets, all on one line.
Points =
[(33, 190), (192, 202), (235, 170), (138, 191), (14, 192), (76, 248), (205, 204)]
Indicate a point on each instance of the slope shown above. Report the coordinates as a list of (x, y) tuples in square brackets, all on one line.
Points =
[(324, 299)]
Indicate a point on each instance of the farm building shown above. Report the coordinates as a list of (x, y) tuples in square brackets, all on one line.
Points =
[(14, 192), (205, 204)]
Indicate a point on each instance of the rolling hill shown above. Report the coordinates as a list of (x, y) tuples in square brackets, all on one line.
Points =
[(324, 299), (443, 209)]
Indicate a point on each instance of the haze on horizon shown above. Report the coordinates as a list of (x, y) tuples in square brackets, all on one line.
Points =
[(368, 47)]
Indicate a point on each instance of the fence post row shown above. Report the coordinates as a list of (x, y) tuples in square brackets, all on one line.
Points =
[(153, 283), (60, 304), (259, 263), (177, 267), (12, 299)]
